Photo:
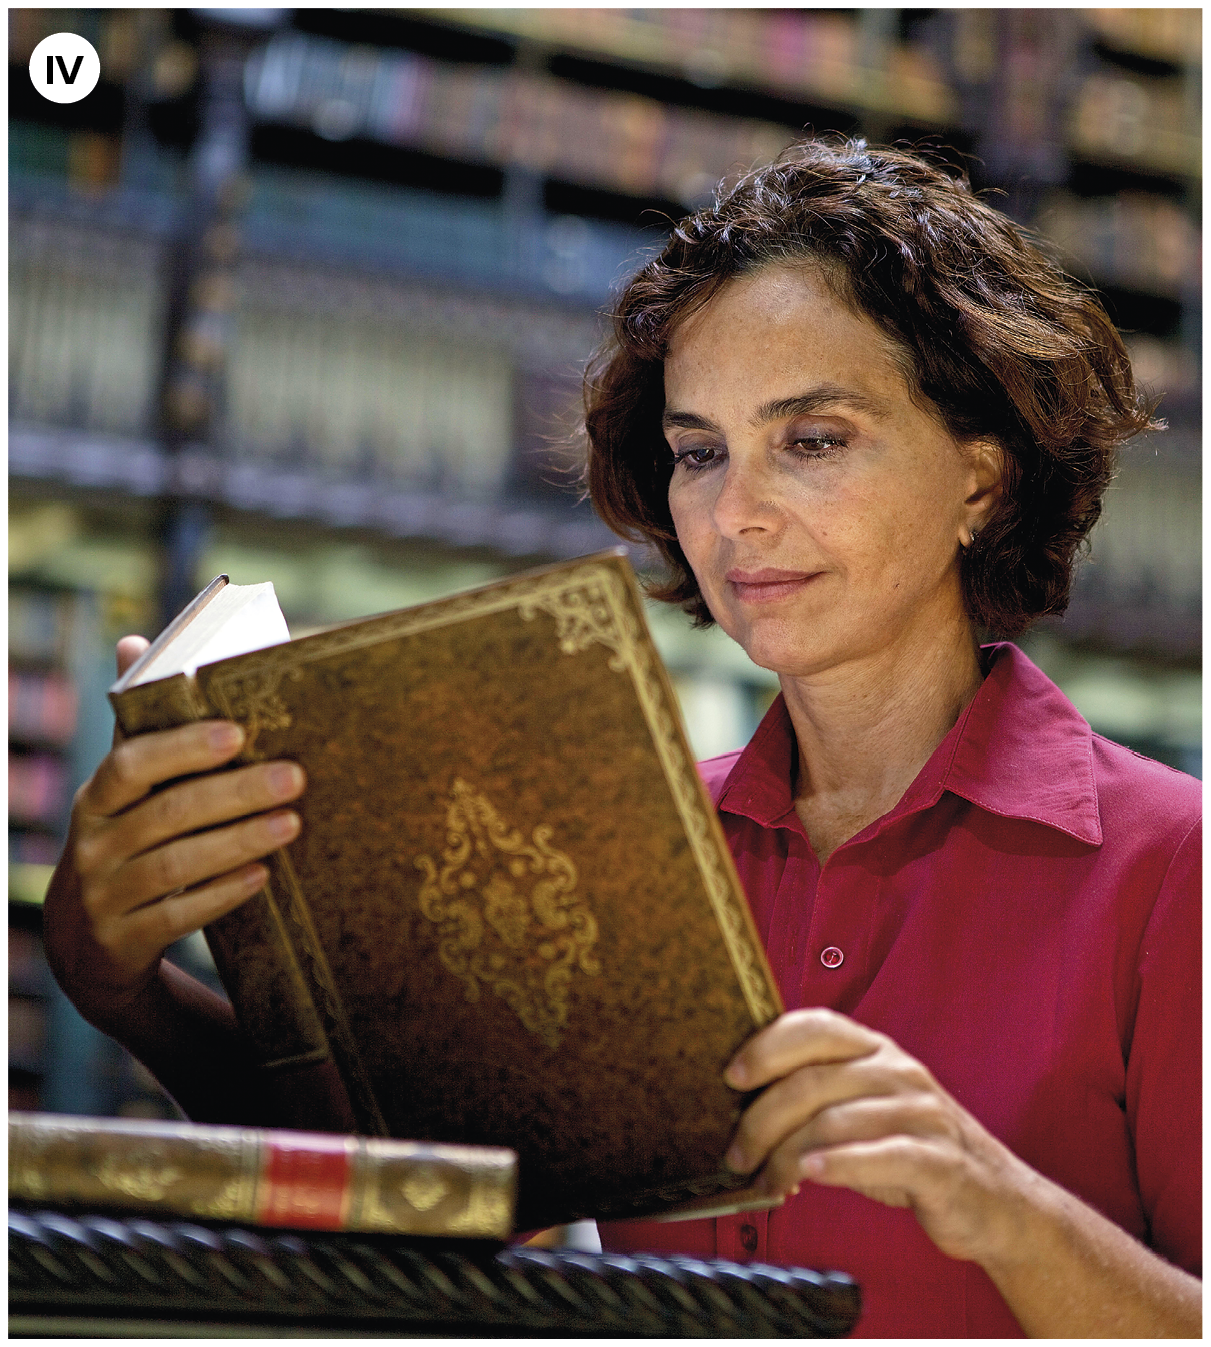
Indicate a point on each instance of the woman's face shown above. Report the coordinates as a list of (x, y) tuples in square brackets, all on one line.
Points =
[(820, 508)]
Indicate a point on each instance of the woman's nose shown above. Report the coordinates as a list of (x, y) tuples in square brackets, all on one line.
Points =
[(745, 500)]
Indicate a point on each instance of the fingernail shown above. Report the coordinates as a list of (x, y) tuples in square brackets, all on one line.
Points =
[(254, 877), (283, 826), (735, 1160), (225, 737), (811, 1166), (284, 779), (736, 1076)]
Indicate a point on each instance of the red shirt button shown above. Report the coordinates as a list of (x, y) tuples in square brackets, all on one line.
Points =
[(748, 1238), (832, 957)]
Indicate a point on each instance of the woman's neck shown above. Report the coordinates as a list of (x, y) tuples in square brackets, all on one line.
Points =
[(867, 727)]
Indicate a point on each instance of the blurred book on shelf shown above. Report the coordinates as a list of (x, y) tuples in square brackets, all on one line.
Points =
[(84, 314), (26, 1029), (801, 54), (26, 970), (1136, 121), (369, 395), (1161, 34), (1134, 239), (1163, 366), (345, 375), (37, 788), (30, 868), (504, 116), (38, 624), (42, 707)]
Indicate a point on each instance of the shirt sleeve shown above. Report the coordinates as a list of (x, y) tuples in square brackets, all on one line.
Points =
[(1164, 1063)]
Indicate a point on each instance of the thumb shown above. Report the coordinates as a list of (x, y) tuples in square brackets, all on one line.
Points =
[(128, 649)]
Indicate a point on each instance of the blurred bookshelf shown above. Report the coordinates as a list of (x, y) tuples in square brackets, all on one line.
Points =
[(434, 209)]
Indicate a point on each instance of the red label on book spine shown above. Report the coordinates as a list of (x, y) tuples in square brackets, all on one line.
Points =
[(306, 1185)]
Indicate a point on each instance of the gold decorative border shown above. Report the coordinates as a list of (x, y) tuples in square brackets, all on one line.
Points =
[(633, 650), (596, 602), (246, 687)]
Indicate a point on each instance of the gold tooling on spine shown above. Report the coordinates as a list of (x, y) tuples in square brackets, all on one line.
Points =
[(305, 940)]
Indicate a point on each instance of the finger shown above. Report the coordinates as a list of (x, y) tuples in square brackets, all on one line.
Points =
[(797, 1099), (791, 1103), (891, 1165), (131, 769), (799, 1038), (201, 802), (921, 1114), (191, 861), (157, 925)]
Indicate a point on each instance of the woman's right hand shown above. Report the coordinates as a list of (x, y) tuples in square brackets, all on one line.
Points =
[(141, 868)]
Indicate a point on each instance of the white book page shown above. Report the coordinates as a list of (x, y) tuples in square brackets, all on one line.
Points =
[(240, 618)]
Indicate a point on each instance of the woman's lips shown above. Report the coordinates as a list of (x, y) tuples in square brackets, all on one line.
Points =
[(767, 586)]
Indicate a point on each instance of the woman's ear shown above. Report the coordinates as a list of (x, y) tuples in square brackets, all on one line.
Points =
[(986, 470)]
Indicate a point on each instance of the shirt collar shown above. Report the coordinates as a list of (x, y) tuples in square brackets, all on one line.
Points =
[(1020, 750)]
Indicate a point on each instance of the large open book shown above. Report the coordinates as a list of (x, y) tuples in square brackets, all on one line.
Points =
[(510, 917)]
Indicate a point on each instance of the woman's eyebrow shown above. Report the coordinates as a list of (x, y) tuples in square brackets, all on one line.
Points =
[(815, 400), (687, 421), (818, 400)]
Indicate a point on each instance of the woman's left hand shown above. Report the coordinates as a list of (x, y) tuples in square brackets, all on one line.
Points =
[(847, 1107)]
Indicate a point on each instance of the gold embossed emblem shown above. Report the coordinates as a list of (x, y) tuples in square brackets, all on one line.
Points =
[(488, 1211), (144, 1173), (507, 913), (424, 1189)]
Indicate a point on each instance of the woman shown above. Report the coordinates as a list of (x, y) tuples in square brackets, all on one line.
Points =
[(861, 417)]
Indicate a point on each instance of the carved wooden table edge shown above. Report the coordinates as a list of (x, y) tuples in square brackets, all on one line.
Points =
[(220, 1280)]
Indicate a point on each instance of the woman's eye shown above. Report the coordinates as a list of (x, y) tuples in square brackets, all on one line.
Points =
[(818, 446), (697, 456)]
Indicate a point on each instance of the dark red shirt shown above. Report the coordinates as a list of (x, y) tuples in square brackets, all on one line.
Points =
[(1026, 923)]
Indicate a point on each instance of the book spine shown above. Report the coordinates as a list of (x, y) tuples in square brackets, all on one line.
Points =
[(257, 964), (286, 1032), (160, 705), (267, 951), (294, 1180)]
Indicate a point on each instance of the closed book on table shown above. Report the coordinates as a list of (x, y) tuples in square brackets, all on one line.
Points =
[(510, 917), (262, 1176)]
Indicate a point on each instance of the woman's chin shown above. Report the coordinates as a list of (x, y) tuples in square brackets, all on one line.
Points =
[(782, 647)]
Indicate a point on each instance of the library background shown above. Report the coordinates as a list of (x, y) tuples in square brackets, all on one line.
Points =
[(304, 296)]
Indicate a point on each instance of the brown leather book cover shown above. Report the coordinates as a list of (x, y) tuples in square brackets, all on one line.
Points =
[(300, 1180), (510, 917)]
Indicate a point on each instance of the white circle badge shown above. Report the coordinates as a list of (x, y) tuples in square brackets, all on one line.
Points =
[(65, 67)]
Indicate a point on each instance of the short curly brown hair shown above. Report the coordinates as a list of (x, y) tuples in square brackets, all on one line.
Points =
[(996, 338)]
